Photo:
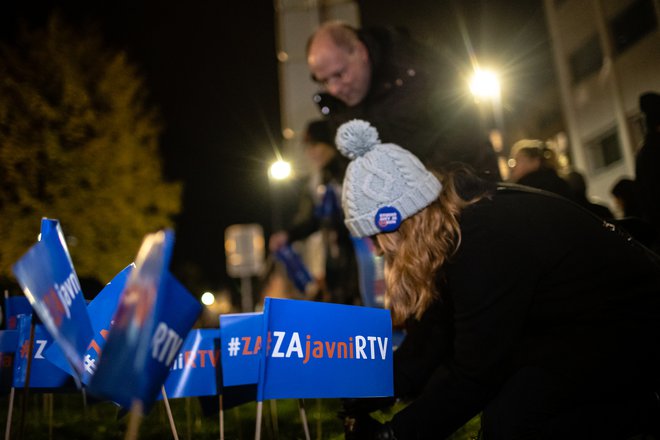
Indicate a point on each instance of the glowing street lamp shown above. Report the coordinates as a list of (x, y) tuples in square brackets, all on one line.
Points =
[(280, 170), (485, 84), (208, 298)]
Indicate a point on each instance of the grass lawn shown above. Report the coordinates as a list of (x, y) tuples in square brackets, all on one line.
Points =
[(63, 416)]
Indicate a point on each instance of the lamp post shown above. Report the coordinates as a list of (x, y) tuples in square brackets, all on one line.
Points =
[(485, 86), (279, 171)]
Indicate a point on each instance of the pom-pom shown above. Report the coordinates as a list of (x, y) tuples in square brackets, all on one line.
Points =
[(355, 138)]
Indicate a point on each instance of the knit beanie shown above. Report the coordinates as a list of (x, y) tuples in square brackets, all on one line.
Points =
[(384, 183)]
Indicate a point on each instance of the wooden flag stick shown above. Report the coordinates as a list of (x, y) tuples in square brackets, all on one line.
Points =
[(169, 413), (303, 417), (134, 419), (257, 430), (9, 413), (222, 419)]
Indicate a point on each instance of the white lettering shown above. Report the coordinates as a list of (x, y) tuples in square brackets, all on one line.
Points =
[(295, 345), (40, 349), (165, 344), (383, 347), (276, 350), (372, 339), (360, 343)]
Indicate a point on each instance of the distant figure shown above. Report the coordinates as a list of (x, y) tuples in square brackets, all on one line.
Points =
[(647, 165), (626, 198), (401, 87), (535, 165), (319, 210), (578, 187)]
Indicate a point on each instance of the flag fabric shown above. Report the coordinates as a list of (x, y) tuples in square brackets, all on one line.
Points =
[(49, 281), (371, 277), (194, 371), (8, 344), (154, 316), (100, 310), (295, 268), (43, 374), (241, 343), (14, 306), (323, 350)]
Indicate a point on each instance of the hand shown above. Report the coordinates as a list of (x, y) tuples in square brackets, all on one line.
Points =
[(277, 240), (363, 427)]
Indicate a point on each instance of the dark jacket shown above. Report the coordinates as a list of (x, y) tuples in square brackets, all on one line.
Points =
[(536, 281), (412, 102), (547, 179), (647, 177)]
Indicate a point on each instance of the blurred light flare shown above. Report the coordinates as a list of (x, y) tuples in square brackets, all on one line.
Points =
[(485, 84), (208, 298), (280, 170)]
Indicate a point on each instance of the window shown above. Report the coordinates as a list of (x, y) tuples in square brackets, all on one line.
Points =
[(586, 60), (633, 23), (605, 150)]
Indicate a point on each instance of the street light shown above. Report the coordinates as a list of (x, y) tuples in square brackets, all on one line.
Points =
[(280, 170), (485, 84)]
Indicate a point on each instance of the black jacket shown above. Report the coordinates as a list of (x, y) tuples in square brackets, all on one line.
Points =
[(412, 102), (537, 281)]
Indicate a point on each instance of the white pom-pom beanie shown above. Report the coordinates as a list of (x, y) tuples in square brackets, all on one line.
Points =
[(384, 183)]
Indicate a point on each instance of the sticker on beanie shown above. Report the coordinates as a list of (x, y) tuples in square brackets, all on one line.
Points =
[(388, 219)]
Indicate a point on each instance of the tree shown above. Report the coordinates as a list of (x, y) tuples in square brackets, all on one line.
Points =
[(79, 143)]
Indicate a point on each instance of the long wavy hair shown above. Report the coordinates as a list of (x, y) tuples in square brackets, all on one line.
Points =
[(415, 252)]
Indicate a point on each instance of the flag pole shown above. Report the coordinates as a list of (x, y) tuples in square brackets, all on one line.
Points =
[(222, 418), (257, 430), (303, 417), (10, 410), (134, 419), (26, 386), (169, 413)]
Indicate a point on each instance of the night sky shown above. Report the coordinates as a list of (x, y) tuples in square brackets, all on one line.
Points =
[(211, 70)]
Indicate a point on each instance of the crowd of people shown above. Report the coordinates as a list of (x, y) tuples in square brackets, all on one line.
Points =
[(522, 300)]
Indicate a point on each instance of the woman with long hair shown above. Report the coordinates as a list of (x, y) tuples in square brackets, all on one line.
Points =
[(517, 304)]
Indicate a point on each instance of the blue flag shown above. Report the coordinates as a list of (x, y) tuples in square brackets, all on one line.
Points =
[(295, 268), (370, 272), (14, 306), (8, 344), (43, 374), (325, 350), (50, 283), (154, 316), (100, 310), (241, 343), (194, 371)]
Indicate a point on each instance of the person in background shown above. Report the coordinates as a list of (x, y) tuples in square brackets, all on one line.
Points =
[(534, 164), (400, 86), (521, 305), (319, 210), (626, 198), (578, 187), (647, 163)]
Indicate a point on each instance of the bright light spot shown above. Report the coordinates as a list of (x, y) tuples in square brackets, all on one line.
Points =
[(288, 133), (208, 298), (485, 84), (280, 170)]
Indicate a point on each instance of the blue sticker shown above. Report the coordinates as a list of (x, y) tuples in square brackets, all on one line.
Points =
[(388, 219)]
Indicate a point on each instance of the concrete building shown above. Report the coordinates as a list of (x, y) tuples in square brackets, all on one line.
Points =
[(606, 53)]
